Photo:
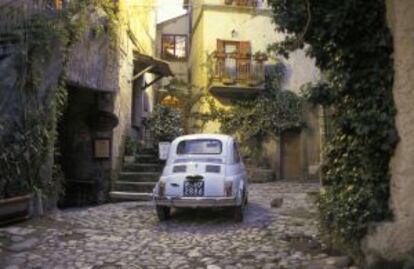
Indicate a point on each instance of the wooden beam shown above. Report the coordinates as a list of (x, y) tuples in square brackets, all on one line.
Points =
[(142, 72), (152, 82)]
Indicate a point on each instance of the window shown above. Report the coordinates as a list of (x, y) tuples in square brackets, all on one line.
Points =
[(174, 47), (199, 146), (234, 59)]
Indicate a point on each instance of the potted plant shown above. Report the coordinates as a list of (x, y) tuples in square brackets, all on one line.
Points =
[(130, 149), (260, 56), (165, 125)]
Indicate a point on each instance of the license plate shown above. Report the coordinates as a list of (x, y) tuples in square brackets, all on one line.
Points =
[(194, 189)]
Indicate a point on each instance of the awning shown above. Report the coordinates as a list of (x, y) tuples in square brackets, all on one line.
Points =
[(144, 63), (152, 65)]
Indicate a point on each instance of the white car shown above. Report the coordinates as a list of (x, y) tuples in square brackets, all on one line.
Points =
[(202, 170)]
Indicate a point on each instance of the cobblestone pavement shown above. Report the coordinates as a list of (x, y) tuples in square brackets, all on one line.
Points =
[(129, 235)]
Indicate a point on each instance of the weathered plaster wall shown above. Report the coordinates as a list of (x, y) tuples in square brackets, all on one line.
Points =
[(92, 61), (395, 240), (254, 25), (141, 21), (241, 24), (260, 31)]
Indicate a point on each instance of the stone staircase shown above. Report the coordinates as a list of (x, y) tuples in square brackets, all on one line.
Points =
[(137, 179)]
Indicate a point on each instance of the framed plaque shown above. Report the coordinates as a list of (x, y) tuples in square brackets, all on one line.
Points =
[(102, 148)]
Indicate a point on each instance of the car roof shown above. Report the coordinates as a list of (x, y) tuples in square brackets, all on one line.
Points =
[(221, 137)]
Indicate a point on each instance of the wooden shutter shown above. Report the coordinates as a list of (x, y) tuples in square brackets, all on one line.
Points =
[(244, 60), (220, 56), (245, 50), (220, 47)]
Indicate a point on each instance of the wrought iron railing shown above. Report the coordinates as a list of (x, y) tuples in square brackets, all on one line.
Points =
[(247, 3), (237, 70)]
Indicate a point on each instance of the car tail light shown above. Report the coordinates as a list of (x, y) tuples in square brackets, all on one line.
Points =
[(228, 188), (161, 188)]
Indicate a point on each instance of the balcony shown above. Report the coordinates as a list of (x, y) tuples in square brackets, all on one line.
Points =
[(247, 3), (236, 75)]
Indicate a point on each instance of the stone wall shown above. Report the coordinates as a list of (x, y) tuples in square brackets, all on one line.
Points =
[(394, 241)]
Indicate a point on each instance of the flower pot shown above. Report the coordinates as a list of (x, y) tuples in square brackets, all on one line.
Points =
[(15, 209)]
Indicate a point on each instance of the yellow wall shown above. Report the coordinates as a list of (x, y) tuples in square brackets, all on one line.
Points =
[(139, 16), (214, 20)]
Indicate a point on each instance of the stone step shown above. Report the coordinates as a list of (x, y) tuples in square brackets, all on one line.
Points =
[(151, 151), (142, 167), (130, 196), (146, 158), (139, 176), (126, 186)]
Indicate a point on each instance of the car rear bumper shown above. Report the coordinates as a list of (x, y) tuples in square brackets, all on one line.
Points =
[(194, 202)]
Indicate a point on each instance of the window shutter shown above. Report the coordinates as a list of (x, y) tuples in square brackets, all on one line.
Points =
[(245, 50), (220, 46), (244, 60)]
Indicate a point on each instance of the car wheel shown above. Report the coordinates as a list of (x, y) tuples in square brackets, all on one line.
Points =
[(163, 212), (238, 213)]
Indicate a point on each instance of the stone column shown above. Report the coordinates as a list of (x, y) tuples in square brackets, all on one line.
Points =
[(394, 241)]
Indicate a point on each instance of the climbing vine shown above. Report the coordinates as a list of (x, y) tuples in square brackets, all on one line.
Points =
[(267, 115), (28, 141), (352, 45)]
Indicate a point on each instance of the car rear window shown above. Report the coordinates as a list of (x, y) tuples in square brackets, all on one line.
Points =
[(199, 146)]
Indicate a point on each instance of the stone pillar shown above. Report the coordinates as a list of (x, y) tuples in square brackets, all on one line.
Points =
[(394, 241)]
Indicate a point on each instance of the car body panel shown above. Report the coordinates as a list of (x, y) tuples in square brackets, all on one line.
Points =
[(215, 171)]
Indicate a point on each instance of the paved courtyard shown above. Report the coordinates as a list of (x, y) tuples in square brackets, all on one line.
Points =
[(129, 235)]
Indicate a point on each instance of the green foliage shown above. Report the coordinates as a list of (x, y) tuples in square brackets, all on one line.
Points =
[(130, 146), (268, 114), (165, 123), (28, 143), (352, 45)]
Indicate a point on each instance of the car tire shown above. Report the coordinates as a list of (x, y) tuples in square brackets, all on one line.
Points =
[(238, 213), (163, 212)]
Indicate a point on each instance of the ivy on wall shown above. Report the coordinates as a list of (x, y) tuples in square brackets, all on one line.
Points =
[(352, 45), (28, 142), (267, 115)]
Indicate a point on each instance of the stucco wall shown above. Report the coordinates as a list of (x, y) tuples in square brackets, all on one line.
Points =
[(141, 21), (254, 25), (257, 28), (395, 240), (241, 24)]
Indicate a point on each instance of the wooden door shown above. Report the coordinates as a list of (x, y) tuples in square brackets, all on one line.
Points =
[(291, 164)]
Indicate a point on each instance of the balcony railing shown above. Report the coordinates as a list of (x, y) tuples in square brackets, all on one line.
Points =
[(247, 3), (237, 70)]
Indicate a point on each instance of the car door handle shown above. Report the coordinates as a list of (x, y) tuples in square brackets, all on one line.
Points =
[(175, 185)]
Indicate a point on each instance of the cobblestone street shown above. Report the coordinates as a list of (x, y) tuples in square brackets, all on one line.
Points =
[(129, 235)]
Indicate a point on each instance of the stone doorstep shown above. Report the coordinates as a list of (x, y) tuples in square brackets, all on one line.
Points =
[(130, 196)]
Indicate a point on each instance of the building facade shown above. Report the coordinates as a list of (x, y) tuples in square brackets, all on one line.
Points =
[(110, 75), (227, 59)]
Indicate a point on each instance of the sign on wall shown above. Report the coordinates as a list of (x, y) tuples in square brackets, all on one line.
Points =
[(102, 148)]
